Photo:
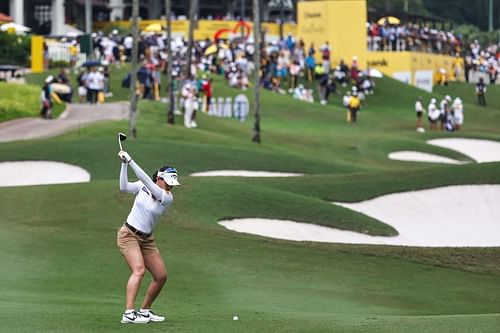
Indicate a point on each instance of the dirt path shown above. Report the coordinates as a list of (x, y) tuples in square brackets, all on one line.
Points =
[(75, 116)]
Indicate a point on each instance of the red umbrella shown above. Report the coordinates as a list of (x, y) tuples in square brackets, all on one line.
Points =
[(5, 18)]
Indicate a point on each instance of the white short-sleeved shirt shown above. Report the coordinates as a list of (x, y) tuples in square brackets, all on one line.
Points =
[(147, 210)]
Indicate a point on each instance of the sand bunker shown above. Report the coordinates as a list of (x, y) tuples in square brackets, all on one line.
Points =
[(465, 215), (244, 173), (415, 156), (25, 173), (481, 151)]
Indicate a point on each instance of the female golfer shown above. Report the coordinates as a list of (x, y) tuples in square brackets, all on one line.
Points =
[(135, 238)]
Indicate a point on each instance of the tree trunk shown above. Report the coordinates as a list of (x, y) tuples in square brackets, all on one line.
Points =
[(193, 19), (170, 82), (133, 69), (256, 59)]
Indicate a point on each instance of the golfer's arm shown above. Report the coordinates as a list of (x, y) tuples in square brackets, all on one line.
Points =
[(157, 191), (125, 186)]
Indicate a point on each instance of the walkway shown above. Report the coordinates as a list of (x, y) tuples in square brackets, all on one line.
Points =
[(74, 117)]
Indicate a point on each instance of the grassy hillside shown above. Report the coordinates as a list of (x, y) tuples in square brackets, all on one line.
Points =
[(62, 268), (17, 101)]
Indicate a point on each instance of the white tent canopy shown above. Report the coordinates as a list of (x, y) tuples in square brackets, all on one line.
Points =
[(14, 26)]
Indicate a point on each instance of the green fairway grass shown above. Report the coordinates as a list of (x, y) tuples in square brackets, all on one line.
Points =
[(62, 271)]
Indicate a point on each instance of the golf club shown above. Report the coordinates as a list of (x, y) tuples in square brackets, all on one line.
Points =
[(121, 137)]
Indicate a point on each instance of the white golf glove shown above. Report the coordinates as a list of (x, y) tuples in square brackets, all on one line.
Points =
[(124, 156)]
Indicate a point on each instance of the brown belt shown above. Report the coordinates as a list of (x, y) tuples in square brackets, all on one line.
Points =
[(137, 232)]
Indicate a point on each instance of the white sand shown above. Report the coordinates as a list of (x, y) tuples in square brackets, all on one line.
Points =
[(244, 173), (466, 215), (415, 156), (25, 173), (480, 150)]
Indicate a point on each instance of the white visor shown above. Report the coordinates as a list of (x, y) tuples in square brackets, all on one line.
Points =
[(169, 178)]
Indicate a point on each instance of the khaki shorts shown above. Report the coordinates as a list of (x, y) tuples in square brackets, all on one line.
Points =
[(128, 241)]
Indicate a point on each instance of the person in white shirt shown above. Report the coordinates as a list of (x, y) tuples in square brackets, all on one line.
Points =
[(419, 110), (458, 113), (94, 82), (153, 198), (433, 114)]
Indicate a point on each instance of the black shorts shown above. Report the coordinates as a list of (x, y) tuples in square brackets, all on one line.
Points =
[(419, 114)]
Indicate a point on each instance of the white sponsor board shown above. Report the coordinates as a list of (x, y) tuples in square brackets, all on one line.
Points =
[(423, 80), (403, 76)]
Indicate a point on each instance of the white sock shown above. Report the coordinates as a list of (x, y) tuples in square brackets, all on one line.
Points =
[(144, 310), (129, 311)]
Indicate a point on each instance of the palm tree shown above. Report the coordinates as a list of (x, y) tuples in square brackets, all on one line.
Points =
[(170, 82), (256, 59), (193, 19), (133, 69)]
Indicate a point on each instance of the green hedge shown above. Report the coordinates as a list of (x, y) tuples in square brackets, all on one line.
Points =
[(15, 49)]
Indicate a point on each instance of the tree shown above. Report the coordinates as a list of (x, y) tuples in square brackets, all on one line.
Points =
[(193, 19), (133, 69), (256, 59), (170, 82)]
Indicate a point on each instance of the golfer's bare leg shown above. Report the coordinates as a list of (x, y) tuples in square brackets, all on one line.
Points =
[(154, 263), (135, 262)]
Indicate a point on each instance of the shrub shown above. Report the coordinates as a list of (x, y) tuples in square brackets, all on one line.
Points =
[(15, 49)]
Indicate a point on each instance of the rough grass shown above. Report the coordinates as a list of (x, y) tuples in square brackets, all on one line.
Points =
[(18, 101)]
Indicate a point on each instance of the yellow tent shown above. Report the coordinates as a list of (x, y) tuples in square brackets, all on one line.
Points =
[(154, 27), (389, 20), (213, 48)]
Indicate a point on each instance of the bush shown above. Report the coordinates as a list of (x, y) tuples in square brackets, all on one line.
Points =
[(15, 49)]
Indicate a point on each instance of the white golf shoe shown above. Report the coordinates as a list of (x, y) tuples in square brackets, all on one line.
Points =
[(134, 317), (151, 315)]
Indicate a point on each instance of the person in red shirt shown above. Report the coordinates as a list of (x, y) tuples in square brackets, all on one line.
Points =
[(206, 87)]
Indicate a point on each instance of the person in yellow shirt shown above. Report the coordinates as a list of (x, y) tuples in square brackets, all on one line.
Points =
[(458, 65), (354, 105), (73, 53)]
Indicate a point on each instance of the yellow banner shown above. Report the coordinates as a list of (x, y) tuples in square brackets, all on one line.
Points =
[(404, 65), (37, 54), (205, 28), (341, 23)]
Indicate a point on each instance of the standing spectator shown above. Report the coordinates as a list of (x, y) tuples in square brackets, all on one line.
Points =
[(73, 54), (310, 64), (467, 68), (325, 56), (323, 87), (481, 92), (206, 87), (458, 113), (444, 107), (92, 83), (294, 75), (458, 65), (419, 110), (433, 114), (82, 90), (46, 99), (107, 80), (493, 73), (354, 105), (127, 43)]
